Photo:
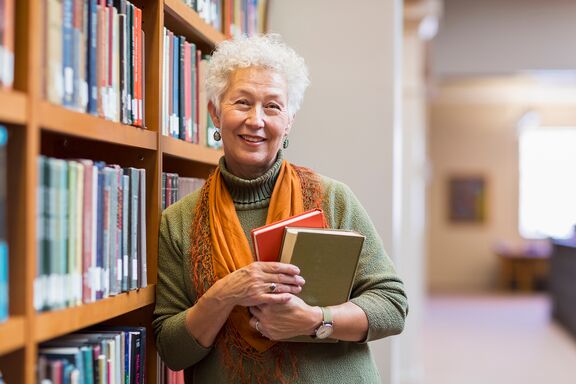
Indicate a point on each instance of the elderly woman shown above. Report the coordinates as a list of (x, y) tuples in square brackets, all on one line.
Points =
[(216, 315)]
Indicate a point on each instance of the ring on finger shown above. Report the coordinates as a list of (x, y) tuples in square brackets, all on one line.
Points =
[(272, 287)]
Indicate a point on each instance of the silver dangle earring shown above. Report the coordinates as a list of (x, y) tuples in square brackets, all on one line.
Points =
[(217, 136), (285, 143)]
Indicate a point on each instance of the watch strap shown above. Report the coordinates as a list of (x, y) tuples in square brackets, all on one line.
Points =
[(326, 315)]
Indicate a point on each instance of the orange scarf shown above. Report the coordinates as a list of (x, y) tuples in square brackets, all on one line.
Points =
[(230, 247), (219, 247)]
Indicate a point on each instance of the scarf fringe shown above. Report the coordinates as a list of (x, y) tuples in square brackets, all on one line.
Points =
[(243, 362)]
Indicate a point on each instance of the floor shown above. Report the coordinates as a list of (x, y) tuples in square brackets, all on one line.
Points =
[(495, 340)]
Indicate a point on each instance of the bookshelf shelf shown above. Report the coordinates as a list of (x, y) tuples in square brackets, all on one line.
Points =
[(56, 323), (46, 130), (15, 326), (61, 120), (13, 107), (183, 19), (187, 151)]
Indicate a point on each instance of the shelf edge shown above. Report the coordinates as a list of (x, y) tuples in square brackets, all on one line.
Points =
[(52, 324)]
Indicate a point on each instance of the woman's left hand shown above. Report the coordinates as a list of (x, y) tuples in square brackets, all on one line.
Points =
[(282, 321)]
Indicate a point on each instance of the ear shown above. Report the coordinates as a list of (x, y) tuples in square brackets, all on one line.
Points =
[(213, 115)]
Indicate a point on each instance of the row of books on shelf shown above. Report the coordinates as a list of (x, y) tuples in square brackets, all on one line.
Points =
[(184, 103), (209, 10), (245, 17), (3, 226), (94, 58), (165, 375), (175, 187), (99, 355), (183, 74), (91, 231), (7, 43), (232, 17)]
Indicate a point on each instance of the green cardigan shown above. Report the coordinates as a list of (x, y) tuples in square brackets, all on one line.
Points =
[(377, 289)]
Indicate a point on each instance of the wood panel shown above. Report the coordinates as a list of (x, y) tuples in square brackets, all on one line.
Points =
[(14, 329), (181, 19), (61, 120), (194, 152), (13, 107), (57, 323)]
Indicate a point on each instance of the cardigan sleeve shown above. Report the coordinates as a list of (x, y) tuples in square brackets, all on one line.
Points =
[(377, 289), (174, 292)]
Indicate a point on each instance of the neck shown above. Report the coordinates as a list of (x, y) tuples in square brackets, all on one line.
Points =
[(251, 193)]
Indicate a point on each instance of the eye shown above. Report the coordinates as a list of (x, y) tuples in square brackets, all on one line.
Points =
[(242, 102), (274, 106)]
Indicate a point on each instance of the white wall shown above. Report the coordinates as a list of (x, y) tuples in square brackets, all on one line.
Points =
[(350, 119), (504, 36)]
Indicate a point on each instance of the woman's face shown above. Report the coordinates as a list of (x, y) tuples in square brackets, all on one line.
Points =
[(253, 120)]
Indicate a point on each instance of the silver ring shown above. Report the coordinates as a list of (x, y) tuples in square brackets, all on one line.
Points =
[(258, 326), (272, 287)]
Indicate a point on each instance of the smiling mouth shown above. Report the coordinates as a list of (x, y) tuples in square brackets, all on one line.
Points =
[(252, 139)]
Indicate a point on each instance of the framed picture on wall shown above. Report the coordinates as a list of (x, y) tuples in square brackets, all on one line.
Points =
[(467, 199)]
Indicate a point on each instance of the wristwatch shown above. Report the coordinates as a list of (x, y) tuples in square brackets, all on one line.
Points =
[(327, 327)]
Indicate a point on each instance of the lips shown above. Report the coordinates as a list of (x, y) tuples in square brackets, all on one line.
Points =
[(252, 139)]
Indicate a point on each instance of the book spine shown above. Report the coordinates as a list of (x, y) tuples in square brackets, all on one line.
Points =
[(142, 262), (125, 230), (91, 61), (4, 294), (181, 88), (175, 103), (137, 106), (67, 52), (88, 230)]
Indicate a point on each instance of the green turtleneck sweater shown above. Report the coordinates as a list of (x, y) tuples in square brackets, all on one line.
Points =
[(377, 289)]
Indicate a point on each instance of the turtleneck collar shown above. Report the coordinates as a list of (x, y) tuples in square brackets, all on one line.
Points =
[(251, 193)]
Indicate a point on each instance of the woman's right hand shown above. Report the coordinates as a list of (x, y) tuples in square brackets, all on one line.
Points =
[(252, 285)]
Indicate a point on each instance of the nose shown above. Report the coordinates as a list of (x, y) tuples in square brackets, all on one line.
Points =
[(256, 117)]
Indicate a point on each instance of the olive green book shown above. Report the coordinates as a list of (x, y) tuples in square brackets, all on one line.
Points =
[(328, 259)]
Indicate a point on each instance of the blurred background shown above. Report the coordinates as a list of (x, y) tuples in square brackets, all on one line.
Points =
[(455, 123)]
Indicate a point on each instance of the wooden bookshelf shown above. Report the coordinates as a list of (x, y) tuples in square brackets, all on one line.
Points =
[(15, 328), (57, 323), (183, 20), (42, 128), (13, 107), (187, 151), (61, 120)]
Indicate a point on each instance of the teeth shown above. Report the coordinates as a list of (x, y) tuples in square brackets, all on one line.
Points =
[(251, 139)]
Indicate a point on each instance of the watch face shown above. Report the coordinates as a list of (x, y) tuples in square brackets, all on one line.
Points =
[(324, 331)]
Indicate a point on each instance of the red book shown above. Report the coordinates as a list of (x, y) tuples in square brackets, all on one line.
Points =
[(267, 240)]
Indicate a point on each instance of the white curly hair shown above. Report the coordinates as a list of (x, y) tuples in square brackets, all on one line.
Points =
[(265, 51)]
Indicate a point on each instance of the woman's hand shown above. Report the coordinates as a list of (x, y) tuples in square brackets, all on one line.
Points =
[(259, 283), (291, 318)]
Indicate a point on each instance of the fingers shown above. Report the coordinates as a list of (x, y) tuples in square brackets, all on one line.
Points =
[(278, 268), (255, 323)]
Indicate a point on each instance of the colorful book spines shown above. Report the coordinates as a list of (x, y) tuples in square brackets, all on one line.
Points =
[(3, 226), (180, 97), (175, 187), (244, 17), (85, 224), (94, 58), (101, 354)]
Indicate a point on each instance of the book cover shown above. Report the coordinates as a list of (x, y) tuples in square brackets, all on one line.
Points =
[(327, 259), (267, 240)]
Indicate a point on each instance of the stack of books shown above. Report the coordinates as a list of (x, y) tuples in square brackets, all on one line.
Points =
[(175, 187)]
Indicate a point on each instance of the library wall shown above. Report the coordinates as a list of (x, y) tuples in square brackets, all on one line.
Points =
[(523, 35), (473, 127), (348, 124)]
